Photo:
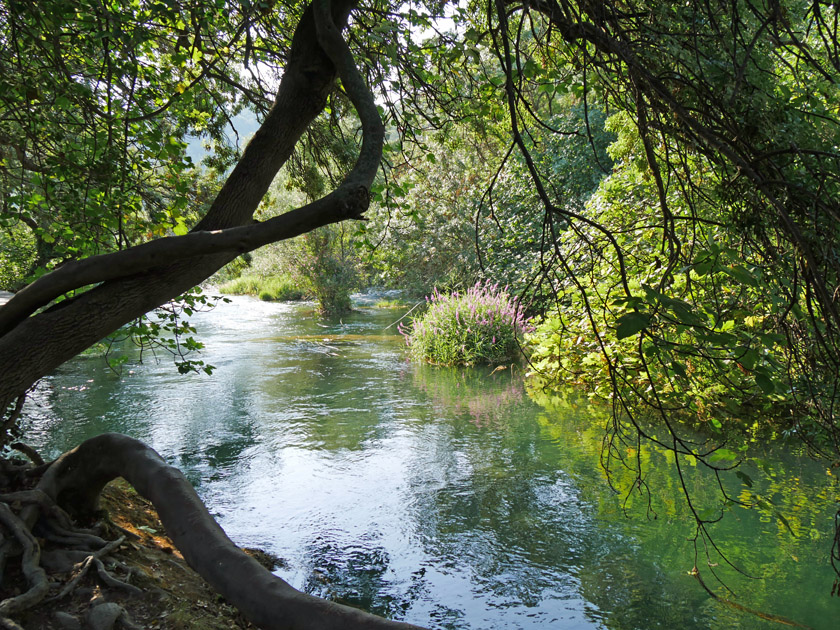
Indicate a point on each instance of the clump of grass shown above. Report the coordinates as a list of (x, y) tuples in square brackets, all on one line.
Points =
[(243, 285), (271, 288), (481, 325)]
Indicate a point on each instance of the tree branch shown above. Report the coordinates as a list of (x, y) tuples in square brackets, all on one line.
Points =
[(33, 346)]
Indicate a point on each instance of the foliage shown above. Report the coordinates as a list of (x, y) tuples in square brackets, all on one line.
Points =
[(481, 325), (463, 208), (421, 233), (166, 329), (702, 340), (272, 288), (699, 280), (17, 257), (326, 266), (97, 116)]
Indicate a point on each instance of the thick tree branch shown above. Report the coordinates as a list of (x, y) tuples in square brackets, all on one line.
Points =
[(33, 346), (350, 200), (344, 203)]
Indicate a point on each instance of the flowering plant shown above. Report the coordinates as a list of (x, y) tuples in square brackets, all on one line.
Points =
[(482, 325)]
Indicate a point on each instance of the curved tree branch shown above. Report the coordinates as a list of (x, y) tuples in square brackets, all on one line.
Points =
[(76, 478), (140, 279), (349, 200)]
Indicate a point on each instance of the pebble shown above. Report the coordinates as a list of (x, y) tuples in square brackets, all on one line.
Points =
[(103, 616)]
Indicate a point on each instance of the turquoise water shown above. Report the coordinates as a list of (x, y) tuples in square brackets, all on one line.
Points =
[(448, 498)]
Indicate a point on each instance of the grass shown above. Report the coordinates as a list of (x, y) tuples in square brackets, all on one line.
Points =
[(269, 289)]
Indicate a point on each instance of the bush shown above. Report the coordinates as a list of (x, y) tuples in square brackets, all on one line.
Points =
[(482, 325), (325, 264), (273, 288)]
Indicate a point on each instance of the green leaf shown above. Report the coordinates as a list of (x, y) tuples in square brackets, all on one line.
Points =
[(704, 266), (630, 324), (765, 383), (180, 228), (679, 369), (723, 454), (741, 274), (745, 478)]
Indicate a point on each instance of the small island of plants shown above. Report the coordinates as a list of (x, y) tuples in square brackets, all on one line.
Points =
[(484, 324)]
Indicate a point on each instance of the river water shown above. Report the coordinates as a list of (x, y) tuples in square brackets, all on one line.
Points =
[(448, 498)]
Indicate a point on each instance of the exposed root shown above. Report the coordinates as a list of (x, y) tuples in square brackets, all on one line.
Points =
[(30, 452), (113, 582), (69, 489), (30, 563), (82, 569), (77, 477), (74, 581), (8, 624)]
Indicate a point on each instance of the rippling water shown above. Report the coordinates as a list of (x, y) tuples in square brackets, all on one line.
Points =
[(443, 497)]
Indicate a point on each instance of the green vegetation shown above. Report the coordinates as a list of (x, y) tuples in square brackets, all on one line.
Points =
[(274, 288), (326, 266), (658, 182), (700, 336), (17, 258), (481, 325)]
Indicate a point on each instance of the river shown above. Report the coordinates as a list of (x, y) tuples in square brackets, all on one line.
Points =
[(447, 498)]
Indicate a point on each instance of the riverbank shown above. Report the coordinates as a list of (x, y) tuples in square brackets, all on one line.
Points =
[(174, 597)]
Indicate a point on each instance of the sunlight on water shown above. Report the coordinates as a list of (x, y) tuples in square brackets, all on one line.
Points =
[(443, 497)]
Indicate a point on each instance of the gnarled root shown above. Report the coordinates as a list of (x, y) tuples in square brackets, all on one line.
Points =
[(75, 480), (31, 564), (29, 519)]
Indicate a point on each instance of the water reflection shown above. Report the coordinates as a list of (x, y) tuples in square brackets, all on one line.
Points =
[(444, 497), (487, 396)]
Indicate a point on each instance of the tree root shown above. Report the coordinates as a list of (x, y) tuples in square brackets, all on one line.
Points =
[(30, 452), (35, 575), (113, 582), (92, 559), (70, 487), (8, 624), (76, 478)]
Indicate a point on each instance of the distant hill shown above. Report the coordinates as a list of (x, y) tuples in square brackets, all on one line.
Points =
[(245, 123)]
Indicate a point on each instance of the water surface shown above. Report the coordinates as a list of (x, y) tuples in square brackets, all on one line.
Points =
[(447, 498)]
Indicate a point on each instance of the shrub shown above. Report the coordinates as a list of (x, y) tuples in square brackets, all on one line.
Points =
[(270, 289), (325, 264), (482, 325), (283, 288)]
